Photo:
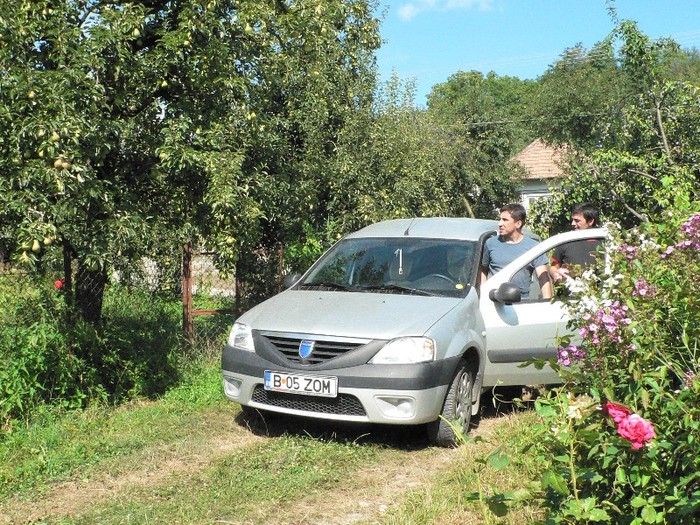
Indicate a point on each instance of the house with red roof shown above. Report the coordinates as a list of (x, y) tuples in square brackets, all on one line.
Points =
[(543, 165)]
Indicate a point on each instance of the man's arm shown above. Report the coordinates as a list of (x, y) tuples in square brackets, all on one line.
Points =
[(555, 269), (545, 283), (485, 262)]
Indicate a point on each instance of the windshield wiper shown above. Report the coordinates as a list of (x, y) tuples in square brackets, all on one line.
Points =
[(393, 288), (326, 284)]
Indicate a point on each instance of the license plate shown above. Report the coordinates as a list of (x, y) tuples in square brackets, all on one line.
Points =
[(324, 386)]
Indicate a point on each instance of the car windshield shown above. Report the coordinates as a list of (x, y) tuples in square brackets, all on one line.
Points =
[(441, 267)]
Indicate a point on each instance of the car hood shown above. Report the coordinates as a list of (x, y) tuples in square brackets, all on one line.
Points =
[(348, 314)]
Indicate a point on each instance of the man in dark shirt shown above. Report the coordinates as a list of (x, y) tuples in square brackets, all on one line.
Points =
[(578, 253)]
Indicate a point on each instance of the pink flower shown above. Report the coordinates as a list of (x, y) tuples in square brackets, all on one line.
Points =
[(570, 354), (58, 284), (642, 288), (615, 411), (629, 251), (636, 430), (669, 251)]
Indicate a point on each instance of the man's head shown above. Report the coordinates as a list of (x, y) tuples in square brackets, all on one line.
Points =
[(584, 216), (512, 219)]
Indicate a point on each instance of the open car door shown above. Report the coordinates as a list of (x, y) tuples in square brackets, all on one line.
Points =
[(520, 330)]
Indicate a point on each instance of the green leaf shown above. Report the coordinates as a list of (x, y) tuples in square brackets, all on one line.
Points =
[(620, 475), (545, 410), (649, 514), (498, 460), (598, 515), (499, 508), (638, 502), (556, 482)]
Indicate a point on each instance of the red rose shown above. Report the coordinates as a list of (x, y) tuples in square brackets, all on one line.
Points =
[(58, 284), (615, 411)]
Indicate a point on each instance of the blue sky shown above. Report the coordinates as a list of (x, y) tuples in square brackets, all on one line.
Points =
[(428, 40)]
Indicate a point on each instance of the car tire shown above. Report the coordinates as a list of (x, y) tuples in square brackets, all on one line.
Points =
[(249, 412), (456, 409)]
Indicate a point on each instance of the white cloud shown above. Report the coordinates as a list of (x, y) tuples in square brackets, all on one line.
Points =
[(409, 11), (482, 5)]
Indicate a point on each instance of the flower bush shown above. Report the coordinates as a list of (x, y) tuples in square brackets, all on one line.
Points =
[(620, 440)]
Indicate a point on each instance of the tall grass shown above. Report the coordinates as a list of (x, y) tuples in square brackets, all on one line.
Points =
[(45, 360)]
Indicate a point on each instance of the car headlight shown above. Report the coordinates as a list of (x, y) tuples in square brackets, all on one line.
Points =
[(241, 337), (406, 350)]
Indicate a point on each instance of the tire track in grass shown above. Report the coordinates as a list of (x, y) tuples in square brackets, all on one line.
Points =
[(406, 464), (157, 464), (372, 491)]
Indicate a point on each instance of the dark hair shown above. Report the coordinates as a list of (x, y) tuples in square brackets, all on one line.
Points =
[(517, 211), (588, 211)]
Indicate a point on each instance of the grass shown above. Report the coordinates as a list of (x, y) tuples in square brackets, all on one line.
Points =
[(257, 483), (56, 446), (491, 482), (191, 457)]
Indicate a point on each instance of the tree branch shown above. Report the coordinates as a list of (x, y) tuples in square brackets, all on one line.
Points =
[(640, 216), (645, 175), (662, 130)]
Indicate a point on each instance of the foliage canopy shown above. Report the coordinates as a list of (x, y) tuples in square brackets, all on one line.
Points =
[(128, 126)]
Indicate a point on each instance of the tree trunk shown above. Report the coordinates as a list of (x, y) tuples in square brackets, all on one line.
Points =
[(89, 293)]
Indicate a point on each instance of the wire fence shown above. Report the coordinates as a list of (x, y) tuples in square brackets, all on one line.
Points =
[(211, 299)]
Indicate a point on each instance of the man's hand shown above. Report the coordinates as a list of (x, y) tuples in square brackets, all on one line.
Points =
[(560, 274)]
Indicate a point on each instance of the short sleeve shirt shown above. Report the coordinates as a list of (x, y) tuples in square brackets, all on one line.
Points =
[(579, 253), (498, 253)]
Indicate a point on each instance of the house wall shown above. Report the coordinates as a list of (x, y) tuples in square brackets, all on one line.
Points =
[(533, 189)]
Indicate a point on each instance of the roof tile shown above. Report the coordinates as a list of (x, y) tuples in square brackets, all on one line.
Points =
[(542, 161)]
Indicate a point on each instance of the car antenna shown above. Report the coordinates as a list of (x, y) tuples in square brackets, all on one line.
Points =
[(409, 226)]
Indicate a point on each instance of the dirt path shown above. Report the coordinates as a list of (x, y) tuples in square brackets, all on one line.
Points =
[(377, 489), (382, 486)]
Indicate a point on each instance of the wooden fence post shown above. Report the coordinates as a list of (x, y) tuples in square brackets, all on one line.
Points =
[(187, 306), (280, 268)]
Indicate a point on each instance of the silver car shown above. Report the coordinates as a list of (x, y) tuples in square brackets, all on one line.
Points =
[(392, 326)]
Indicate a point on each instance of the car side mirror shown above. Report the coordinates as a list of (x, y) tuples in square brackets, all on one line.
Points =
[(290, 280), (507, 293)]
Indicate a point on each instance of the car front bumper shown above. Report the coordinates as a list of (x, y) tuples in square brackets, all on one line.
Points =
[(369, 393)]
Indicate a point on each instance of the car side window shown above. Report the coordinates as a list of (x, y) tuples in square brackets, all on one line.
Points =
[(571, 259), (478, 268), (536, 283)]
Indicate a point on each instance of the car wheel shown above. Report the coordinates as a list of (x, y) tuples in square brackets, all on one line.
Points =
[(249, 412), (456, 409)]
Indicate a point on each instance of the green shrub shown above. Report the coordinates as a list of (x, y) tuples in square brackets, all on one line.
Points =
[(39, 364), (140, 342), (49, 357)]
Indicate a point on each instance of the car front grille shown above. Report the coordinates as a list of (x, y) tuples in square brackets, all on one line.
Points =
[(323, 350), (343, 405)]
